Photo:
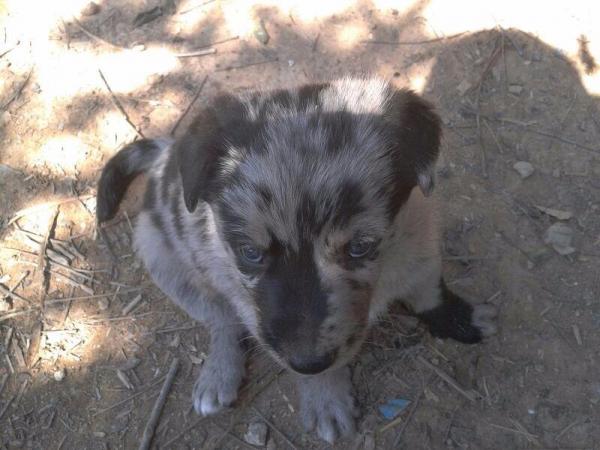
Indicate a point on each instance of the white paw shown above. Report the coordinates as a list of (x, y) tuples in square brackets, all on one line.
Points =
[(217, 386), (483, 318), (329, 408)]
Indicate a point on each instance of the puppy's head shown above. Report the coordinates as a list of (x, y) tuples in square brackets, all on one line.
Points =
[(304, 186)]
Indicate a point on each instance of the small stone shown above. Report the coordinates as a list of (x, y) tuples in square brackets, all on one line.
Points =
[(291, 62), (175, 341), (515, 89), (524, 168), (556, 173), (559, 236), (99, 434), (59, 374), (103, 304), (91, 9), (256, 434), (5, 118), (556, 213), (4, 306)]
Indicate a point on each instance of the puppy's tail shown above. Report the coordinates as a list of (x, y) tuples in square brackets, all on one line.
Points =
[(121, 169)]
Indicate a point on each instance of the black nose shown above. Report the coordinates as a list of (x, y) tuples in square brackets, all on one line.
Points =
[(310, 365)]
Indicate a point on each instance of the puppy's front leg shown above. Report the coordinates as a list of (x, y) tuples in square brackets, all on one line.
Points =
[(327, 403)]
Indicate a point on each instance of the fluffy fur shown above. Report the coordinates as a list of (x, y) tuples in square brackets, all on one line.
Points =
[(297, 216)]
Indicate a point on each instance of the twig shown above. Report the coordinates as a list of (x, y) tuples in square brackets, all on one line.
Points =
[(196, 7), (202, 52), (196, 95), (493, 57), (530, 437), (426, 41), (526, 127), (24, 212), (17, 313), (89, 297), (64, 278), (494, 138), (448, 379), (7, 406), (117, 103), (19, 90), (407, 421), (567, 428), (279, 432), (131, 397), (3, 382), (243, 66), (183, 432), (158, 406), (132, 304), (41, 257), (10, 293)]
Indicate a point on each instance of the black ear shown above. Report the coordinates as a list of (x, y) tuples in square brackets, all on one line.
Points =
[(203, 147), (416, 135)]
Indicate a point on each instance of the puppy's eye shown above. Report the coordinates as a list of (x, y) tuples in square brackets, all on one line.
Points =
[(360, 247), (251, 254)]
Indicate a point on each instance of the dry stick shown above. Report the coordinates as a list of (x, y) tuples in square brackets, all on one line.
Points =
[(158, 406), (131, 397), (495, 139), (89, 297), (426, 41), (18, 93), (487, 68), (117, 103), (243, 66), (10, 293), (202, 52), (41, 257), (448, 379), (183, 432), (406, 422), (7, 406), (525, 127), (24, 212), (189, 106), (527, 434), (17, 313), (279, 432)]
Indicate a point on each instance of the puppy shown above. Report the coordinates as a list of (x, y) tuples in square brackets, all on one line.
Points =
[(297, 216)]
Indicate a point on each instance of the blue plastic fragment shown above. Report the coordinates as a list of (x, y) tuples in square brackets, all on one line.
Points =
[(393, 407)]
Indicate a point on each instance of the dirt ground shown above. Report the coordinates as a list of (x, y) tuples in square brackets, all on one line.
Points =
[(84, 349)]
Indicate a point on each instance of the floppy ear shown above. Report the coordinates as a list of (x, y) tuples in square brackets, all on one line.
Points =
[(416, 134), (202, 148)]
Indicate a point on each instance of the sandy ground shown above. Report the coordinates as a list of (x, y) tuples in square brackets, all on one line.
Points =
[(85, 348)]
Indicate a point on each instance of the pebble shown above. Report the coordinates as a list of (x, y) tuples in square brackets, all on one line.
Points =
[(59, 375), (256, 434), (5, 118), (515, 89), (524, 168), (103, 304), (559, 236)]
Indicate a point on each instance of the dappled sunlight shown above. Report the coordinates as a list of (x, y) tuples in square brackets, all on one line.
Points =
[(500, 101)]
